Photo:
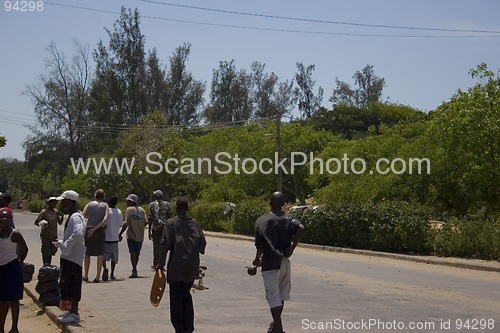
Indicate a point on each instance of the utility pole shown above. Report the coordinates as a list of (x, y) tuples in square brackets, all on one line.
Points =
[(278, 150)]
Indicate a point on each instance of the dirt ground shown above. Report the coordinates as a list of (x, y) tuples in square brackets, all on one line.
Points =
[(32, 319)]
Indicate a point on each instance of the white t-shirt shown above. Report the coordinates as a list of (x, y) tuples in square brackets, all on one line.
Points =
[(113, 224)]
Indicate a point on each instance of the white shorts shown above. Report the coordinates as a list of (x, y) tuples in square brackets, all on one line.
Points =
[(111, 252), (278, 283)]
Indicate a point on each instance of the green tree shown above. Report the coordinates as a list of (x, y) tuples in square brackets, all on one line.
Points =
[(309, 104), (184, 93), (368, 91), (3, 141), (466, 130), (230, 95), (119, 90)]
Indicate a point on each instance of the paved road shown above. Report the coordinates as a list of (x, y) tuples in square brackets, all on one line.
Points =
[(338, 292)]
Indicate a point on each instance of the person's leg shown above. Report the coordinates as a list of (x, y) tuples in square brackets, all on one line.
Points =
[(99, 267), (4, 309), (134, 259), (86, 263), (276, 314), (188, 309), (156, 235), (176, 306), (47, 260), (112, 275), (14, 309)]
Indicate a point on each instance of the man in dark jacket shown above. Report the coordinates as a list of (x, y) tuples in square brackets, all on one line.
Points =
[(184, 238)]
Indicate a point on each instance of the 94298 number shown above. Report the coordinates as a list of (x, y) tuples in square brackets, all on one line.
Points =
[(23, 6)]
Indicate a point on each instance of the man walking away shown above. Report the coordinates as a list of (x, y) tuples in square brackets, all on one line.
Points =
[(184, 238), (274, 232), (159, 213), (115, 221)]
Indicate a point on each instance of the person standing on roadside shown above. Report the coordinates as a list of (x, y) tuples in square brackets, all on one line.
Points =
[(5, 200), (159, 213), (274, 233), (135, 223), (96, 212), (115, 221), (184, 238), (72, 253), (13, 251), (48, 231)]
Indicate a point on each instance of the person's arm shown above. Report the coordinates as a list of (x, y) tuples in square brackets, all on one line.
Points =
[(39, 218), (296, 240), (60, 217), (124, 226), (151, 217), (163, 250), (86, 211), (22, 247), (256, 260), (100, 224)]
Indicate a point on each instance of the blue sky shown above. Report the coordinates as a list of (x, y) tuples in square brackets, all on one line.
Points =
[(421, 72)]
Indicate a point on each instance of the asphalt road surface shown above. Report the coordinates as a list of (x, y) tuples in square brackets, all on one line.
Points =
[(331, 292)]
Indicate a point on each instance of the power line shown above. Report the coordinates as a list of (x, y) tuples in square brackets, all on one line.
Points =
[(279, 30), (320, 21)]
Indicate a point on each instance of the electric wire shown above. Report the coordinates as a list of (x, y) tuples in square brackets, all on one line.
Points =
[(495, 34)]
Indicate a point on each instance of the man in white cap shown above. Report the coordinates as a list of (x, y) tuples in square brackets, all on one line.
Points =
[(159, 213), (135, 222), (49, 217), (72, 253)]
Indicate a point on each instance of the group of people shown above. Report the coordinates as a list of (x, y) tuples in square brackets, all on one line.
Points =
[(97, 229)]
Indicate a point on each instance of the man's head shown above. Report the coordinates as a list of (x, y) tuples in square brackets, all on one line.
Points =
[(112, 201), (5, 199), (158, 194), (52, 202), (5, 218), (277, 200), (132, 200), (99, 195), (68, 201), (182, 205)]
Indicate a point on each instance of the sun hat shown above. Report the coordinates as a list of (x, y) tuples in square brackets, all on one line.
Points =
[(133, 198), (51, 199), (70, 195), (158, 193)]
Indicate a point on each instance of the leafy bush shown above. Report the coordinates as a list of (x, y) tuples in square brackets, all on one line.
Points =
[(472, 237), (392, 226), (211, 216), (246, 213), (37, 205)]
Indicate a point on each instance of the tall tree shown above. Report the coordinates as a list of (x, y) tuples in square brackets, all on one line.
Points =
[(309, 104), (61, 100), (119, 90), (184, 93), (466, 132), (369, 89), (264, 87), (230, 96)]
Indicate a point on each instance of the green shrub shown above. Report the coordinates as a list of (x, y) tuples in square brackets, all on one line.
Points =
[(246, 213), (390, 226), (37, 205), (470, 237), (211, 215)]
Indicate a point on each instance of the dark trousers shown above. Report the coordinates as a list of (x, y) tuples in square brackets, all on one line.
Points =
[(181, 307), (156, 236)]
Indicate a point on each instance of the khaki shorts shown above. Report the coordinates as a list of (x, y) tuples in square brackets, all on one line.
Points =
[(278, 283), (111, 252)]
